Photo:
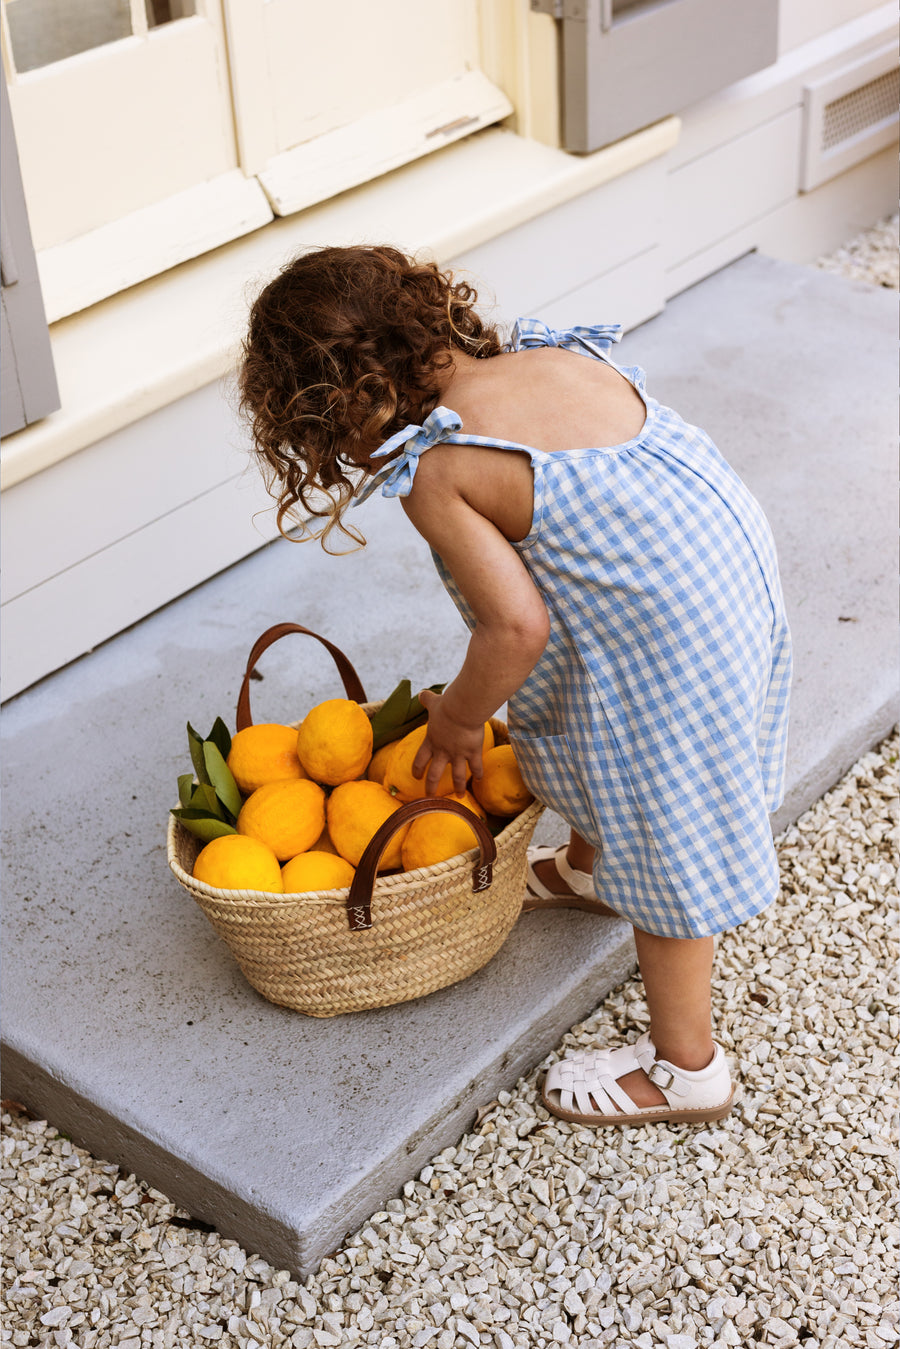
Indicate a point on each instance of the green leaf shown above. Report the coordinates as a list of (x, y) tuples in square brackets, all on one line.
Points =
[(204, 826), (195, 743), (221, 737), (204, 798), (221, 779), (401, 713), (185, 788), (396, 704)]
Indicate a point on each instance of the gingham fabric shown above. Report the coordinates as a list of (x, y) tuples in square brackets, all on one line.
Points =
[(655, 722)]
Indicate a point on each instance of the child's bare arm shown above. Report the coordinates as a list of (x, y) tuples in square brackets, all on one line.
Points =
[(510, 633)]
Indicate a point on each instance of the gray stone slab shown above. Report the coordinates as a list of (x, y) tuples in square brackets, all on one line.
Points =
[(125, 1020)]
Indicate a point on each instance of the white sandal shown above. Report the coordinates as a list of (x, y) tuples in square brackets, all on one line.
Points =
[(583, 1088), (537, 895)]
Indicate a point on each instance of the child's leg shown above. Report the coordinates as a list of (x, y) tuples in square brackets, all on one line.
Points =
[(677, 975), (607, 1085)]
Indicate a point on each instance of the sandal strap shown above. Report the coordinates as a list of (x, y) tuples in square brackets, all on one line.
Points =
[(533, 885), (582, 882), (588, 1080), (579, 882)]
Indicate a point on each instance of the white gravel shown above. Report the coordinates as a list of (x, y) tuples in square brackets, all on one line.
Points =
[(773, 1228), (872, 256)]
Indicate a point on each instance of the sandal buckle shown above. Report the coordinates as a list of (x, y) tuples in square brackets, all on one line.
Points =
[(656, 1073)]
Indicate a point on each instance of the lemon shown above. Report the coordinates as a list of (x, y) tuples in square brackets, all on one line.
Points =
[(316, 871), (356, 810), (501, 789), (436, 838), (398, 775), (264, 753), (287, 816), (334, 741), (378, 763), (235, 863), (324, 844), (468, 800)]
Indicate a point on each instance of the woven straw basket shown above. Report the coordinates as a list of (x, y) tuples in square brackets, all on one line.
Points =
[(388, 938)]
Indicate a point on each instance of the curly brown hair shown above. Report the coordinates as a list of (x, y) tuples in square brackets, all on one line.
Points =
[(345, 347)]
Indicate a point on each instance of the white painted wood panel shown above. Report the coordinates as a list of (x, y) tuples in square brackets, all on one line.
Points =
[(807, 226), (331, 64), (382, 140), (302, 70), (528, 268), (75, 610), (629, 294), (713, 196), (112, 130), (124, 252), (115, 487), (802, 20), (818, 222)]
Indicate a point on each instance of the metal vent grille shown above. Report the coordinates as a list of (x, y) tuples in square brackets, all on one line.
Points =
[(862, 108), (849, 114)]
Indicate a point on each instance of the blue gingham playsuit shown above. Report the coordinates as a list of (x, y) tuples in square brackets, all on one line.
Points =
[(655, 722)]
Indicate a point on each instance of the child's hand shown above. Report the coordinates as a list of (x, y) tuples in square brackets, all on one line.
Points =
[(447, 741)]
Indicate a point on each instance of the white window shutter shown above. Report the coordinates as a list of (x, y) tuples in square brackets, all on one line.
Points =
[(29, 389), (628, 63)]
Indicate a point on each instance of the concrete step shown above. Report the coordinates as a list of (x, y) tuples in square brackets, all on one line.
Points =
[(126, 1022)]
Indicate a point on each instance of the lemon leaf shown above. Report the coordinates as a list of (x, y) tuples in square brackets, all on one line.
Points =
[(185, 787), (391, 714), (195, 742), (204, 798), (203, 825), (221, 779), (220, 737)]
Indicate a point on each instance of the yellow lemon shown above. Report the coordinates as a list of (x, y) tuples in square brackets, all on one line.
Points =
[(235, 863), (324, 843), (334, 741), (287, 816), (378, 763), (468, 800), (356, 810), (316, 871), (398, 775), (264, 753), (436, 838), (501, 789)]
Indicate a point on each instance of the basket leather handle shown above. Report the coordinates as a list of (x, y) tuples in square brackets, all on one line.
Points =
[(359, 900), (350, 679)]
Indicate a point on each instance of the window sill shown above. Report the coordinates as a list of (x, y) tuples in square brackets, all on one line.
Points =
[(160, 340)]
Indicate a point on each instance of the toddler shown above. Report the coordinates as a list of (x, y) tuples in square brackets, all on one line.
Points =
[(622, 593)]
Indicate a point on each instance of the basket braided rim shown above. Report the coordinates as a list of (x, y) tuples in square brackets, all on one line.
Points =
[(385, 886)]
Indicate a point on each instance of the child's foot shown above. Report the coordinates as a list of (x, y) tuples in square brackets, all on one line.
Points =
[(551, 882), (631, 1085)]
